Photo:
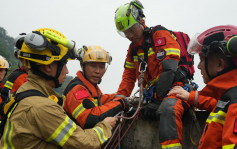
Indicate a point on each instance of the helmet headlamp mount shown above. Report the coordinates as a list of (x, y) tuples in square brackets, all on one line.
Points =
[(39, 42)]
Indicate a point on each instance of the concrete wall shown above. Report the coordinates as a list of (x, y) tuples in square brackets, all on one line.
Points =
[(143, 134)]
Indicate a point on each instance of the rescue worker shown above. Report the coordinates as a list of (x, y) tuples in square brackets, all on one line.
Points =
[(4, 66), (155, 51), (217, 48), (84, 102), (36, 118), (15, 79)]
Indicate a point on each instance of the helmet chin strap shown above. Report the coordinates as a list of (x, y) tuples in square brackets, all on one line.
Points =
[(47, 77), (206, 69)]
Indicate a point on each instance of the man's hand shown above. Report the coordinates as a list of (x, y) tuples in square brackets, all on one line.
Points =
[(179, 92), (111, 120), (125, 104)]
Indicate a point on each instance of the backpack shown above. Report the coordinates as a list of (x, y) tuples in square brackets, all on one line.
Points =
[(186, 64), (186, 60)]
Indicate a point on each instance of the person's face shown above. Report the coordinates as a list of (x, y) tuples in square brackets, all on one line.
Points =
[(63, 74), (94, 71), (2, 73), (134, 33), (212, 68)]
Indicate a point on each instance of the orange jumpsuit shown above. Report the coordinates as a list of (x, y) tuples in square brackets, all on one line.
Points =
[(163, 59), (14, 81), (221, 125), (86, 104)]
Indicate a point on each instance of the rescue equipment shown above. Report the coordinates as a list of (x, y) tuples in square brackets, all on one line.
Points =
[(37, 48), (186, 64), (16, 98), (4, 63), (94, 54), (127, 15), (12, 104)]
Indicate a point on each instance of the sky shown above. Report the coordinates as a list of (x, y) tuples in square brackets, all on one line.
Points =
[(91, 22)]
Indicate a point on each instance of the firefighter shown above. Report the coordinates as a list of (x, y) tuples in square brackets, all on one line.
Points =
[(84, 102), (15, 79), (158, 55), (4, 66), (35, 117), (217, 48)]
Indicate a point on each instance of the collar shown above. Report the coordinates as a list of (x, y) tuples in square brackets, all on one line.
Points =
[(220, 84), (90, 86), (38, 83)]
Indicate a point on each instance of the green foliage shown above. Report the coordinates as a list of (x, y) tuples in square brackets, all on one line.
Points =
[(7, 51)]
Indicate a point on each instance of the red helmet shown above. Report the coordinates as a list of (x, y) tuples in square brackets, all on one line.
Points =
[(218, 36)]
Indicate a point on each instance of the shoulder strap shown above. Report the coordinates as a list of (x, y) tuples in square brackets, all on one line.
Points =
[(18, 97), (28, 93), (14, 75), (229, 97), (73, 83)]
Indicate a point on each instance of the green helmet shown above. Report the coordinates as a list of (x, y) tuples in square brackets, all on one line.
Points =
[(127, 15)]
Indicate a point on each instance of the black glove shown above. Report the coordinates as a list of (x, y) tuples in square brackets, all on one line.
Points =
[(125, 104), (149, 110)]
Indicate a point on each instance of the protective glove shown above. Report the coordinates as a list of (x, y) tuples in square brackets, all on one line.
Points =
[(125, 104), (149, 110)]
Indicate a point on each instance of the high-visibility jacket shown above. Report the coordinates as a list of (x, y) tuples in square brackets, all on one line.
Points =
[(221, 125), (86, 104), (161, 57), (40, 123), (14, 80)]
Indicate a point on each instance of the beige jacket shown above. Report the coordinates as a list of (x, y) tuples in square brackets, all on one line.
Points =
[(40, 123)]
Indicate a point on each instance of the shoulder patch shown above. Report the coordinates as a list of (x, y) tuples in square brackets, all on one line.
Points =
[(160, 55), (81, 94), (160, 41)]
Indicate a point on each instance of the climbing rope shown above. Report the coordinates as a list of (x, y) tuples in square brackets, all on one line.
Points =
[(136, 113)]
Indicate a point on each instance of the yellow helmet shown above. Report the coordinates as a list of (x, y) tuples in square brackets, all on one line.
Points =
[(4, 63), (44, 46), (94, 54)]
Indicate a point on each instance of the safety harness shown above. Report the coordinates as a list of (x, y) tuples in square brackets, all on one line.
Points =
[(9, 83), (13, 103), (70, 86)]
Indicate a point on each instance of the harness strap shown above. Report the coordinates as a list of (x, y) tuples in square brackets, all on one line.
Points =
[(18, 97)]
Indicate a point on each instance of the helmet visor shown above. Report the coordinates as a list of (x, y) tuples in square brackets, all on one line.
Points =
[(194, 47)]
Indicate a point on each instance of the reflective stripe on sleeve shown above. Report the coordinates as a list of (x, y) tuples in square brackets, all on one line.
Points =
[(129, 65), (173, 51), (8, 84), (8, 132), (218, 117), (231, 146), (100, 134), (196, 99), (63, 132), (78, 111), (172, 146), (7, 136)]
